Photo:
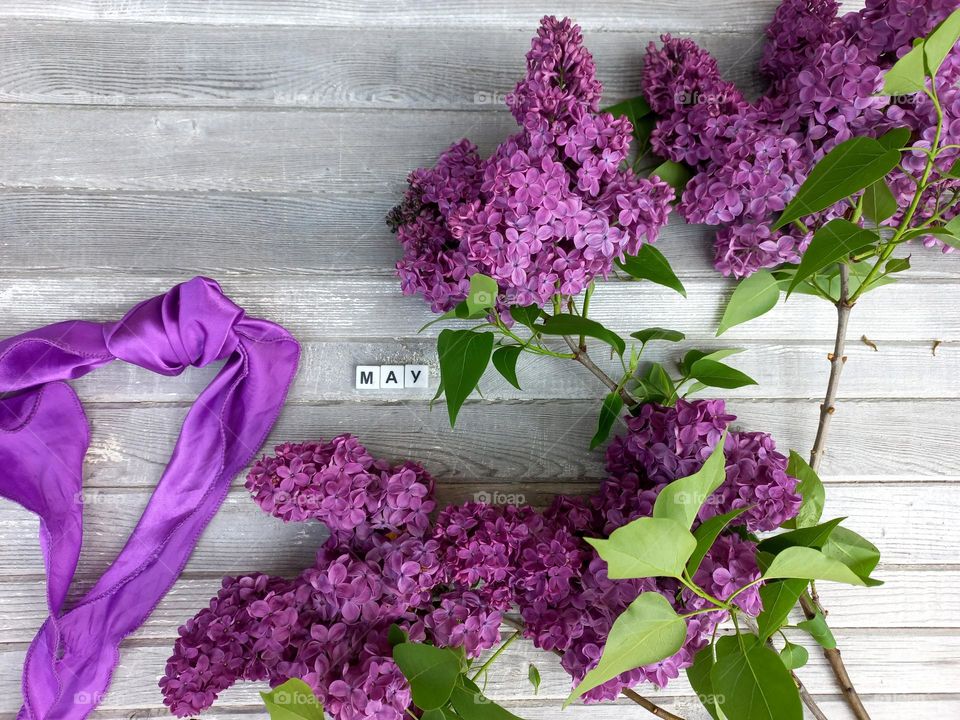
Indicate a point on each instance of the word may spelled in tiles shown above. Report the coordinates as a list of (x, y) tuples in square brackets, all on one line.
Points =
[(392, 377)]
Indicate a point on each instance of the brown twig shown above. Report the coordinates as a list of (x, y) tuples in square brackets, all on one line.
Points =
[(827, 410), (639, 699), (837, 361), (581, 356)]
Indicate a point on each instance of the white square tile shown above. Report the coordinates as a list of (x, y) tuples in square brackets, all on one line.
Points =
[(417, 376), (368, 377), (391, 377)]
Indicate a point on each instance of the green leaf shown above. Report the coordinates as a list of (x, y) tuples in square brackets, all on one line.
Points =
[(907, 76), (818, 629), (650, 264), (648, 630), (482, 295), (674, 174), (941, 41), (632, 108), (879, 204), (811, 490), (463, 355), (646, 547), (505, 361), (754, 296), (693, 355), (947, 234), (657, 333), (794, 656), (896, 265), (396, 635), (609, 412), (682, 499), (716, 374), (847, 169), (431, 671), (659, 381), (854, 551), (471, 704), (814, 536), (810, 564), (706, 535), (293, 700), (751, 682), (778, 599), (896, 138), (439, 714), (699, 676), (525, 314), (565, 324), (533, 675), (954, 170), (832, 243)]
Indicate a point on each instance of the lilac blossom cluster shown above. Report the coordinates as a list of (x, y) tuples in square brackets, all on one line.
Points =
[(549, 210), (824, 73), (451, 581)]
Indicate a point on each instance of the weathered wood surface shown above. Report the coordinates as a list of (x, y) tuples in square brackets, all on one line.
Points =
[(261, 142)]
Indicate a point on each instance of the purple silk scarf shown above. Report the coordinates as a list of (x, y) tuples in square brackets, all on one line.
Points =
[(44, 436)]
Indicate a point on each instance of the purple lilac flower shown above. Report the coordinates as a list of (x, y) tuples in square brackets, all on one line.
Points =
[(450, 582), (549, 210), (824, 73)]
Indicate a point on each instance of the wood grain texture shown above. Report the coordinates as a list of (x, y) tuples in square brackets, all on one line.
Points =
[(261, 142), (226, 234), (535, 442), (471, 69), (361, 308), (850, 608), (913, 531), (615, 16)]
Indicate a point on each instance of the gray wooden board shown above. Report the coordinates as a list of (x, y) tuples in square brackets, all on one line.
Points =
[(261, 142)]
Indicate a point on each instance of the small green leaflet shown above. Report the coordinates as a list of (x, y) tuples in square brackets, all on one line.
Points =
[(778, 599), (482, 294), (674, 174), (707, 534), (464, 356), (657, 333), (650, 264), (716, 374), (896, 138), (525, 314), (854, 551), (610, 410), (832, 243), (648, 630), (396, 635), (752, 683), (754, 296), (907, 76), (431, 671), (439, 714), (293, 700), (879, 204), (646, 547), (566, 324), (810, 564), (810, 489), (693, 355), (818, 629), (505, 361), (895, 265), (533, 675), (954, 170), (794, 656), (847, 169), (814, 536), (699, 676), (941, 41), (682, 499)]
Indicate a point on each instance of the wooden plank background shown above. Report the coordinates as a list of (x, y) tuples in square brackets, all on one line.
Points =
[(261, 142)]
